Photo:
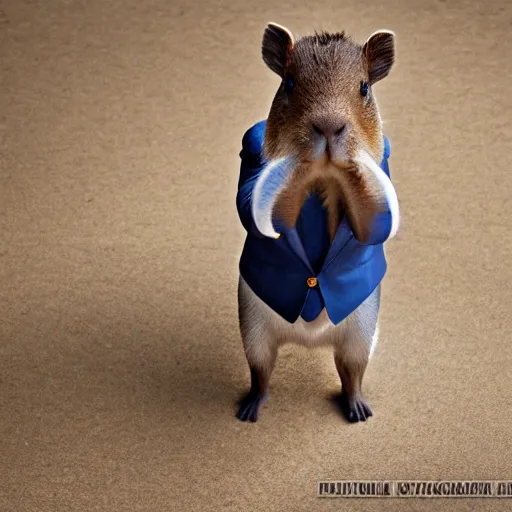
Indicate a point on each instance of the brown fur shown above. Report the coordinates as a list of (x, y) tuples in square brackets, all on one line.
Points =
[(305, 180), (333, 205), (325, 124), (340, 189), (290, 200), (359, 198), (327, 70)]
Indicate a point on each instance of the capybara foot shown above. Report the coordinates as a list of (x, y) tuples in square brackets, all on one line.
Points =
[(355, 408), (250, 406)]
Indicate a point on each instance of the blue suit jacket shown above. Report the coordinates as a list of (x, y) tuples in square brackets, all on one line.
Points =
[(277, 270)]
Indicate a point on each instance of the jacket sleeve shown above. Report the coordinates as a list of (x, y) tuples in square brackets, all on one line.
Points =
[(387, 153), (252, 163)]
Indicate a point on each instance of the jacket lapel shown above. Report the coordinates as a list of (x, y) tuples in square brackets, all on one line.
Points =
[(295, 243), (341, 238)]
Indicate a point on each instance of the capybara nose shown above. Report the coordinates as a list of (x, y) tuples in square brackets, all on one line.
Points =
[(328, 128)]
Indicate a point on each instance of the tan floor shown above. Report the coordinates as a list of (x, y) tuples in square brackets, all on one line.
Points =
[(120, 357)]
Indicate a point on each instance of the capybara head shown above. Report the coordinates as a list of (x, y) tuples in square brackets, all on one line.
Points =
[(325, 102)]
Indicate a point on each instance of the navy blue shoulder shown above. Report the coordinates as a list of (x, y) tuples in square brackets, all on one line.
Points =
[(387, 148), (252, 141)]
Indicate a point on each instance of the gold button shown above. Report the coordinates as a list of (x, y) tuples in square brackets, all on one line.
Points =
[(312, 282)]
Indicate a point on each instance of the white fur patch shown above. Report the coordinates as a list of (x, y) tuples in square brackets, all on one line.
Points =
[(389, 190), (375, 340), (270, 183)]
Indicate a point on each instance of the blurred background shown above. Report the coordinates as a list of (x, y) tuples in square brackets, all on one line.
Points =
[(120, 356)]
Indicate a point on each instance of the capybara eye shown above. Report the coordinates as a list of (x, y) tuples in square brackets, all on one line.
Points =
[(364, 88), (289, 84)]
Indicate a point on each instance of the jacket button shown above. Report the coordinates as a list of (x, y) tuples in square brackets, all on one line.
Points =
[(312, 282)]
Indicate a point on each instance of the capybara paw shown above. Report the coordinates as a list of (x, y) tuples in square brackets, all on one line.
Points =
[(250, 407), (355, 408)]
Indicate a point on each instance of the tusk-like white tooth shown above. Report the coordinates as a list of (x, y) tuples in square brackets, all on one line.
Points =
[(388, 189), (271, 182)]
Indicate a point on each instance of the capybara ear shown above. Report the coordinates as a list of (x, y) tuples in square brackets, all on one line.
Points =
[(379, 51), (276, 47)]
